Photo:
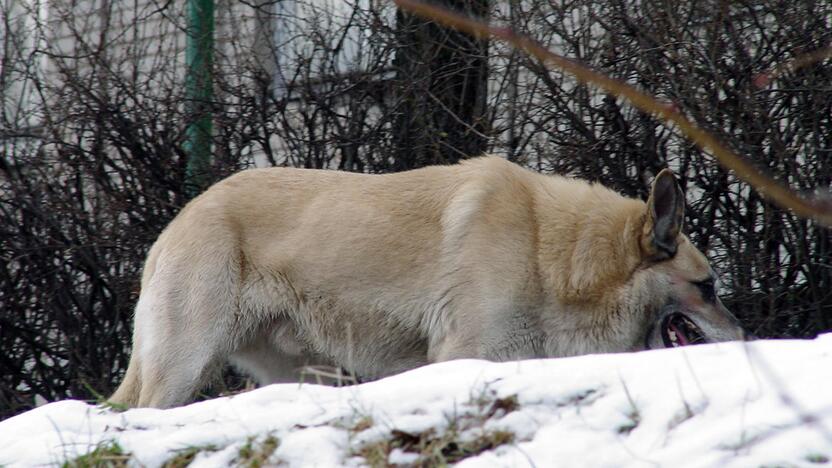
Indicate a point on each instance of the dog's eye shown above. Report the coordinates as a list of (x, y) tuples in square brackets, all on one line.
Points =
[(707, 289)]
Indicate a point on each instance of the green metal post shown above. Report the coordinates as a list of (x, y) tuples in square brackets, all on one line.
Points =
[(199, 93)]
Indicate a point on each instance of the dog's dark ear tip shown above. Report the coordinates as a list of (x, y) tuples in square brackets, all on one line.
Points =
[(665, 173), (665, 181)]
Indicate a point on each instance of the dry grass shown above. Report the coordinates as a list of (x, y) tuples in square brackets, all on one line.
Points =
[(433, 449), (464, 436), (185, 456), (256, 455), (108, 454)]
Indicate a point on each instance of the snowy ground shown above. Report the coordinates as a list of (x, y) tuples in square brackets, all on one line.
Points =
[(762, 403)]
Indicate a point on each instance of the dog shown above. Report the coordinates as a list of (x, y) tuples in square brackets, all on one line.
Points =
[(273, 269)]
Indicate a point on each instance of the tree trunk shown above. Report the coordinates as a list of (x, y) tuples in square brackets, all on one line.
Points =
[(440, 91)]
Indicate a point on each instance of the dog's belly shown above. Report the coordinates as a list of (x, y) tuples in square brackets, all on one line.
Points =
[(287, 340), (366, 341), (311, 316)]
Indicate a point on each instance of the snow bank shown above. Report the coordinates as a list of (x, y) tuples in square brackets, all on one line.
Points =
[(732, 404)]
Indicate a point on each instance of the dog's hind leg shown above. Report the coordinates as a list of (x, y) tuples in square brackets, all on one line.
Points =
[(186, 325), (128, 391)]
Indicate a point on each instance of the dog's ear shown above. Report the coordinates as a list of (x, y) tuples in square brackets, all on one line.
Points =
[(664, 217)]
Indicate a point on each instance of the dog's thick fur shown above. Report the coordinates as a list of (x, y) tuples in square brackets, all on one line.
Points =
[(276, 268)]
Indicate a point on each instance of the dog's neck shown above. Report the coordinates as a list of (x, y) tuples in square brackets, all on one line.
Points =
[(589, 242)]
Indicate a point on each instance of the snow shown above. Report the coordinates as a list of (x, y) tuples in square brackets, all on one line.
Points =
[(730, 404)]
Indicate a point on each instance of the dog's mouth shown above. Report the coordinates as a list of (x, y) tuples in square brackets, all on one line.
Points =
[(678, 330)]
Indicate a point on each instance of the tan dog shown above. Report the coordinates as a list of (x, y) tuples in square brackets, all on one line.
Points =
[(275, 268)]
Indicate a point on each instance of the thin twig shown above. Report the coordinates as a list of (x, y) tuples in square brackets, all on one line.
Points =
[(764, 79)]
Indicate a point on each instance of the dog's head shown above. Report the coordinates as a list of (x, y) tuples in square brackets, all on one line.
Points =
[(681, 290)]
